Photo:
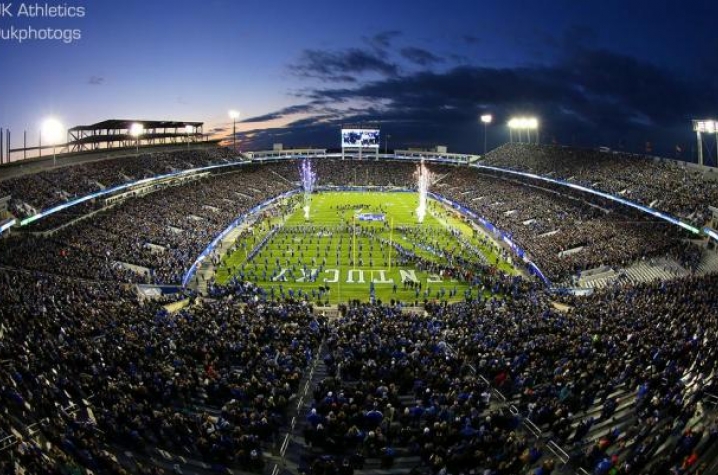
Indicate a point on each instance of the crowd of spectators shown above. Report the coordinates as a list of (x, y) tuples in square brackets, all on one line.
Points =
[(547, 223), (353, 172), (57, 185), (165, 231), (638, 178), (97, 372), (162, 232), (416, 384)]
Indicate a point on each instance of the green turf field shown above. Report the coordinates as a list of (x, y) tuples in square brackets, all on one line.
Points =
[(336, 256)]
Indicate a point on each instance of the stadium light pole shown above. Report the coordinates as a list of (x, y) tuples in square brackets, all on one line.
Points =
[(188, 129), (234, 115), (704, 127), (532, 124), (512, 124), (486, 120), (136, 130), (524, 123), (386, 143), (52, 130)]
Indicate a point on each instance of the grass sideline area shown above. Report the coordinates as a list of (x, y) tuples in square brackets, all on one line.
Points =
[(358, 245)]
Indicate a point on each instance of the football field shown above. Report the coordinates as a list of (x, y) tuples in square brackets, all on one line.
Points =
[(364, 246)]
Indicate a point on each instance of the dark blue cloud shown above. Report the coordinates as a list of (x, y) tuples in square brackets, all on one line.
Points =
[(589, 97), (295, 109), (342, 66), (420, 56), (384, 39)]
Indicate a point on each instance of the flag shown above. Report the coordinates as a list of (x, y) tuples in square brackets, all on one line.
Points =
[(649, 147)]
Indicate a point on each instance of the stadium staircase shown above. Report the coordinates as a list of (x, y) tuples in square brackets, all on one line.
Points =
[(663, 268), (641, 271), (709, 263), (654, 269), (618, 426), (299, 455)]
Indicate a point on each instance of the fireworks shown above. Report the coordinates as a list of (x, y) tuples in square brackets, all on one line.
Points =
[(423, 178), (309, 179)]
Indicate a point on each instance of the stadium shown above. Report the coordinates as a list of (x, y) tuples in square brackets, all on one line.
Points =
[(189, 308), (358, 238)]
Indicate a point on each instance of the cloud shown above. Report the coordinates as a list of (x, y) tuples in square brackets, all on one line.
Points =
[(459, 58), (295, 109), (383, 40), (96, 81), (587, 97), (420, 56), (342, 66)]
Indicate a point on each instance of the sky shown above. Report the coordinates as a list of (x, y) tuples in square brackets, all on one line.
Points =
[(610, 73)]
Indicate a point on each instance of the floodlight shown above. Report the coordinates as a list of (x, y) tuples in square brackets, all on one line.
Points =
[(137, 129), (52, 130), (486, 119), (523, 123), (705, 126), (234, 115)]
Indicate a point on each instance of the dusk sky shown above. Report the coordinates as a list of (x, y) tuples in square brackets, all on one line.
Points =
[(614, 72)]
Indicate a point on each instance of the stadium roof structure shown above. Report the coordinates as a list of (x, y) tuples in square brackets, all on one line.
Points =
[(118, 133)]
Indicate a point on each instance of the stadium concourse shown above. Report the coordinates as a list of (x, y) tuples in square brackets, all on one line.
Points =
[(97, 378)]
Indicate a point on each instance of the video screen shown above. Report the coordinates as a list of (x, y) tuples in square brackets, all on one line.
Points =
[(364, 138)]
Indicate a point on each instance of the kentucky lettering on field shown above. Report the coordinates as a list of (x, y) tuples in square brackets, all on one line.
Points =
[(358, 276)]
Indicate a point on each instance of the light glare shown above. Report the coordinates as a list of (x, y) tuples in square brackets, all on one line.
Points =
[(523, 123), (52, 131), (137, 129), (705, 126)]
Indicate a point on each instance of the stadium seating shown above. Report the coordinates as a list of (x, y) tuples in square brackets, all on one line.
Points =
[(48, 188), (638, 178), (95, 377)]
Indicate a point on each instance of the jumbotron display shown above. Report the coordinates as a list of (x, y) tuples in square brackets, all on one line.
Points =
[(360, 138)]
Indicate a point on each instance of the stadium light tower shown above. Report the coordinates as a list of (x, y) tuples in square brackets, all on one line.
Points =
[(188, 130), (136, 130), (52, 130), (524, 123), (704, 127), (486, 119), (234, 115), (533, 124)]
